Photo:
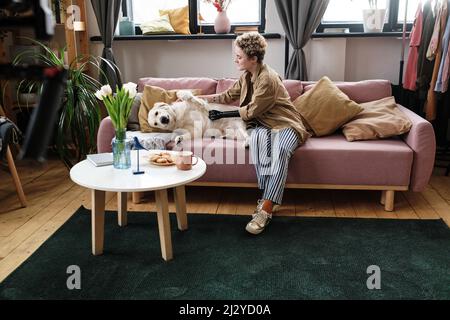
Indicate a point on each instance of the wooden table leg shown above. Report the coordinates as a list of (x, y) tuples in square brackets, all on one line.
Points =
[(98, 221), (162, 209), (136, 196), (122, 208), (180, 204)]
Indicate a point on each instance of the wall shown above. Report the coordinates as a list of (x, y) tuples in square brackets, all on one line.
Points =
[(348, 59)]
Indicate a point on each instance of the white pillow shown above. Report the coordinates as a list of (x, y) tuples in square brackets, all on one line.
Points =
[(158, 25), (152, 140)]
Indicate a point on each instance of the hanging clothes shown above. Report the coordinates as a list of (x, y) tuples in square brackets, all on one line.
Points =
[(443, 74), (409, 82), (436, 36), (446, 72), (435, 51), (425, 66)]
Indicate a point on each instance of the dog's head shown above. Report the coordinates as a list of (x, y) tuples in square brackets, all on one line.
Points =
[(162, 116)]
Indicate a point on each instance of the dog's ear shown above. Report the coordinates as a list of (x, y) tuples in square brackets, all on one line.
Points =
[(159, 104)]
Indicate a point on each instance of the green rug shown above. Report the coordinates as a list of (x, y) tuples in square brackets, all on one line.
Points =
[(295, 258)]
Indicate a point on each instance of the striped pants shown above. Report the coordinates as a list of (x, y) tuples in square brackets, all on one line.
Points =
[(271, 151)]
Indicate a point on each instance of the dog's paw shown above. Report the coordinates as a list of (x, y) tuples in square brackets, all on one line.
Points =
[(178, 139), (201, 102), (184, 95)]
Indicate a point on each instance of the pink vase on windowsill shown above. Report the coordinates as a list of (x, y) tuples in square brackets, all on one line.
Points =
[(222, 23)]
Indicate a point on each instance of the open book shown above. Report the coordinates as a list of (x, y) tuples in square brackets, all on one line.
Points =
[(101, 159)]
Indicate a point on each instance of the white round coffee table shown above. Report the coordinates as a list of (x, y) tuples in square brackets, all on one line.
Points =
[(157, 178)]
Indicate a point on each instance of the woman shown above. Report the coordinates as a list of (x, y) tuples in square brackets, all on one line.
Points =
[(266, 107)]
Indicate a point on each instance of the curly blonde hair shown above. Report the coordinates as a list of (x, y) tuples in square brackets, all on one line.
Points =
[(252, 44)]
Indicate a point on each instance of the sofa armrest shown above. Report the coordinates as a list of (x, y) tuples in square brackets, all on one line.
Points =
[(422, 141), (105, 135)]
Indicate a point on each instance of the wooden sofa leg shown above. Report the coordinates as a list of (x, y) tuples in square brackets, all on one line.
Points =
[(137, 197), (383, 197), (389, 205)]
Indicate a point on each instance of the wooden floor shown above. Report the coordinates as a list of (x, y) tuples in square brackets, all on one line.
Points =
[(53, 198)]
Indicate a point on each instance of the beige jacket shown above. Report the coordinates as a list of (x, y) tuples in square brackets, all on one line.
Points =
[(263, 97)]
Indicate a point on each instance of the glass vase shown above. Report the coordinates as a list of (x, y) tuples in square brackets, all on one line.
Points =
[(121, 147)]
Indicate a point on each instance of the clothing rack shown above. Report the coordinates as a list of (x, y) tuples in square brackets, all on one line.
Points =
[(428, 49)]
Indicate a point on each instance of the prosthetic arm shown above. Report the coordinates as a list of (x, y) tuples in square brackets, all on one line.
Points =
[(216, 114)]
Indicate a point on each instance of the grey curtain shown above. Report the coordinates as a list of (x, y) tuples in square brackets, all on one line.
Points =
[(107, 14), (299, 19)]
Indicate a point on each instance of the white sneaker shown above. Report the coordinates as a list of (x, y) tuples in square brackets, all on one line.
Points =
[(260, 220)]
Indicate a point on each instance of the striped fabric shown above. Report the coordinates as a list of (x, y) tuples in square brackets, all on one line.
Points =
[(271, 151)]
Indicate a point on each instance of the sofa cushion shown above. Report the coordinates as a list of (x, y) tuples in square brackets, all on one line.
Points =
[(361, 91), (325, 108), (151, 140), (225, 84), (133, 119), (152, 95), (379, 119), (334, 160), (179, 19), (207, 85), (326, 160), (294, 87), (160, 25)]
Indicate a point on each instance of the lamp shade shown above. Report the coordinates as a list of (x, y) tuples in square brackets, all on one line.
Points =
[(79, 26)]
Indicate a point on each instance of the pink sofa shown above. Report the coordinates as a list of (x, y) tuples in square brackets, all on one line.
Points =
[(330, 162)]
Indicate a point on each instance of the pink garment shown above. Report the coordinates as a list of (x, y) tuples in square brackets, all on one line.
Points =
[(445, 72), (434, 42), (413, 56)]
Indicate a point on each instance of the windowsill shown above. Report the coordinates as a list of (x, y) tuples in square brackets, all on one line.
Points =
[(183, 37), (360, 35)]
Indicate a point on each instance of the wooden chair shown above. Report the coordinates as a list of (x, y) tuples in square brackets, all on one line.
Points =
[(14, 174)]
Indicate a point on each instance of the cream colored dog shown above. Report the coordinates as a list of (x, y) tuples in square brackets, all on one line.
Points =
[(188, 118)]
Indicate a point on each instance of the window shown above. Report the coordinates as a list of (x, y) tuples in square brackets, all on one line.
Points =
[(347, 11), (145, 10), (348, 14), (412, 9), (240, 12)]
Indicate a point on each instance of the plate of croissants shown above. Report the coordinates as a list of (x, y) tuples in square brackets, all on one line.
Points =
[(162, 159)]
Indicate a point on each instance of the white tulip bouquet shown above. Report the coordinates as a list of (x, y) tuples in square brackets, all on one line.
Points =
[(119, 104)]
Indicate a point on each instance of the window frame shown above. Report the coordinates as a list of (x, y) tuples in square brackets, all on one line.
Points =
[(392, 25), (194, 27)]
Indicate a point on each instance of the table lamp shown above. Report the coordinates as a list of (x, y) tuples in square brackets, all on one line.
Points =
[(138, 146)]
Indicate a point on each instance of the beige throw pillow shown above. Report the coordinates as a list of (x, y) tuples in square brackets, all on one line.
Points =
[(133, 119), (325, 108), (179, 19), (379, 119), (159, 25), (151, 95)]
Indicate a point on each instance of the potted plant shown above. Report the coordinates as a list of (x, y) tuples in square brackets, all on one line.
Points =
[(373, 18), (119, 106), (27, 93), (79, 116)]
